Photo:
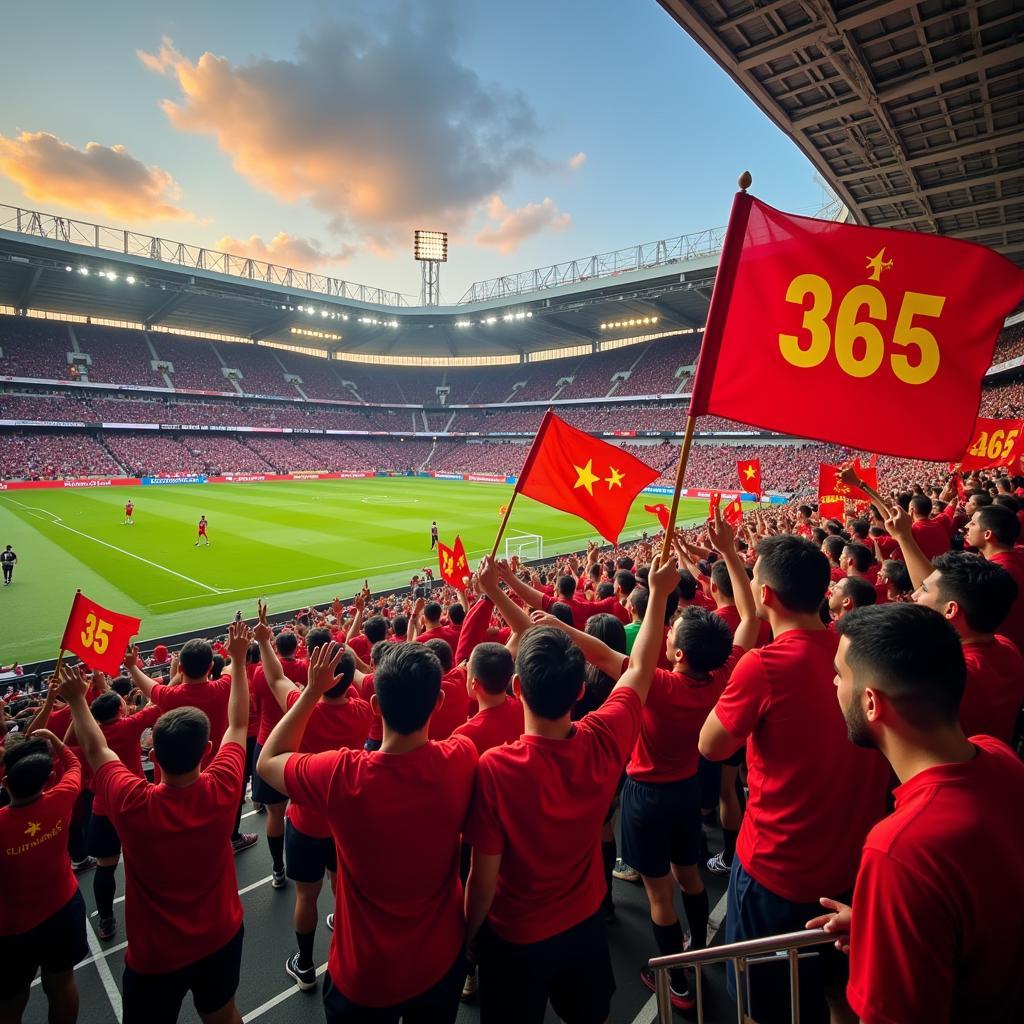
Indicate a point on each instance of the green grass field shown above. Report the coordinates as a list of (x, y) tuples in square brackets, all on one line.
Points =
[(294, 543)]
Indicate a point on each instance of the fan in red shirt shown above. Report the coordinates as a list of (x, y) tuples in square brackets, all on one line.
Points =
[(340, 720), (399, 933), (813, 797), (42, 922), (429, 626), (565, 592), (930, 937), (848, 593), (500, 716), (537, 877), (859, 562), (994, 530), (933, 534), (182, 912)]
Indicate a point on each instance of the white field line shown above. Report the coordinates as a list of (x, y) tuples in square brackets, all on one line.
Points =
[(241, 892), (114, 547), (279, 998), (103, 969)]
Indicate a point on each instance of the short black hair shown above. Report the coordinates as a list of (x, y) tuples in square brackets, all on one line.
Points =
[(492, 666), (1004, 524), (562, 612), (687, 586), (859, 528), (921, 504), (721, 579), (861, 555), (625, 581), (317, 637), (833, 547), (704, 638), (344, 673), (195, 659), (379, 649), (551, 670), (1007, 501), (106, 707), (432, 611), (983, 589), (407, 681), (456, 614), (859, 591), (286, 644), (217, 667), (624, 562), (28, 764), (375, 628), (400, 625), (122, 685), (896, 573), (914, 657), (981, 499), (566, 587), (179, 739), (795, 570), (639, 598), (605, 590), (443, 651)]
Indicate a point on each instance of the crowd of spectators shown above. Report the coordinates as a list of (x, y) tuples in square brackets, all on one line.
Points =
[(48, 456), (118, 356)]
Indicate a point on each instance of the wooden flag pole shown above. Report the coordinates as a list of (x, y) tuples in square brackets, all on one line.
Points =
[(504, 523), (684, 456)]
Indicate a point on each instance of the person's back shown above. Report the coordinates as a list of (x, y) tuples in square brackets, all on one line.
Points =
[(995, 688)]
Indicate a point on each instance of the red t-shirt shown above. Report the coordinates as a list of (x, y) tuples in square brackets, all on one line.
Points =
[(202, 527), (836, 574), (540, 803), (376, 722), (181, 898), (210, 696), (128, 509), (446, 633), (889, 547), (330, 727), (731, 614), (396, 821), (36, 879), (491, 727), (266, 703), (454, 710), (254, 712), (361, 647), (936, 935), (676, 709), (123, 737), (582, 610), (1013, 625), (813, 794), (933, 535), (995, 688)]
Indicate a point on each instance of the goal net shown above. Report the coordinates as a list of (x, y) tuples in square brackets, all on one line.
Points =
[(527, 546)]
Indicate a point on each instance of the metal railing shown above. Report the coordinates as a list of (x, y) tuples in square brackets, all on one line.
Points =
[(742, 955)]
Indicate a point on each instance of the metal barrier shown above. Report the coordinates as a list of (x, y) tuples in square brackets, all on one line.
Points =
[(741, 954)]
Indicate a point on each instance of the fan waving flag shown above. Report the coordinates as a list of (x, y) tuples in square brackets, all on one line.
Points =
[(832, 489), (750, 476), (572, 471), (809, 313), (99, 637)]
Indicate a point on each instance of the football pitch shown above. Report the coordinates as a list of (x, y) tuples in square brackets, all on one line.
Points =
[(294, 543)]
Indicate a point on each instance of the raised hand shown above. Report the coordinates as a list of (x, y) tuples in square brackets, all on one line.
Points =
[(320, 677), (56, 743), (664, 576), (898, 523), (539, 618), (239, 638), (720, 533), (131, 658), (74, 683)]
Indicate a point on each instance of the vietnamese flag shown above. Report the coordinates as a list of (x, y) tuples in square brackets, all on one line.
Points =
[(750, 476), (809, 313), (98, 636), (995, 443), (733, 513), (572, 471)]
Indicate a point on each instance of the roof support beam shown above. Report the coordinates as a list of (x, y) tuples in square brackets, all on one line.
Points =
[(163, 307), (30, 287), (949, 186), (273, 327)]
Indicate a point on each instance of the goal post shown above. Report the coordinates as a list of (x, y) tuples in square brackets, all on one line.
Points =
[(527, 546)]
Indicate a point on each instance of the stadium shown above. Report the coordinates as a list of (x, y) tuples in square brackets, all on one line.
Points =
[(319, 427)]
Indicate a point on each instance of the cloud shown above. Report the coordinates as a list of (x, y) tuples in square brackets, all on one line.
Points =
[(286, 250), (375, 123), (514, 226), (100, 178), (577, 160)]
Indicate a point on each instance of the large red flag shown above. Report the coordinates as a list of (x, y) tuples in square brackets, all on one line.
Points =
[(810, 315), (572, 471), (750, 476), (99, 637), (995, 443), (831, 488)]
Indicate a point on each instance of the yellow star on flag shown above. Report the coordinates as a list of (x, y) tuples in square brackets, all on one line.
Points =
[(32, 828), (749, 472), (585, 477), (616, 478)]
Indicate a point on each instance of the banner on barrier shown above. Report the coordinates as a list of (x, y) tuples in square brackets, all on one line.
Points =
[(149, 481)]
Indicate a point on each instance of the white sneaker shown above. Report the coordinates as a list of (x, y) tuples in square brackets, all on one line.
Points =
[(717, 865), (624, 872)]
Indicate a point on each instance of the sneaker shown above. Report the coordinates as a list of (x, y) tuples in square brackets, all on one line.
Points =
[(85, 864), (682, 1001), (469, 987), (106, 928), (278, 881), (244, 841), (624, 873), (305, 978), (330, 922), (717, 865)]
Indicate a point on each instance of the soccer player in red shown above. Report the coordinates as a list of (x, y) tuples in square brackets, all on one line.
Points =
[(397, 945), (537, 878), (813, 797), (42, 913), (340, 720), (129, 508), (930, 936), (182, 912), (202, 532)]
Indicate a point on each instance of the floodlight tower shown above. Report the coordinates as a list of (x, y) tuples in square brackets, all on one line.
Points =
[(431, 249)]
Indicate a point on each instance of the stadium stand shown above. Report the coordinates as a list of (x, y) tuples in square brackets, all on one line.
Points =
[(118, 356), (35, 348)]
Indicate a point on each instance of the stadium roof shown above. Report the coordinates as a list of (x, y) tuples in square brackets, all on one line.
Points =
[(912, 112), (57, 264)]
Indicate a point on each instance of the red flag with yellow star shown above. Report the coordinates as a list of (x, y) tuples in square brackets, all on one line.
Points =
[(750, 476), (572, 471), (733, 513), (446, 562)]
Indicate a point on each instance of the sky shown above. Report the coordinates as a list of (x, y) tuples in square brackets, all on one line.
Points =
[(319, 134)]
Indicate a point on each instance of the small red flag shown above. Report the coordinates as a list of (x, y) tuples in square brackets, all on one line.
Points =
[(714, 501), (995, 443), (961, 491), (831, 488), (98, 636), (461, 563), (447, 561), (808, 312), (572, 471), (661, 511), (750, 476), (733, 513)]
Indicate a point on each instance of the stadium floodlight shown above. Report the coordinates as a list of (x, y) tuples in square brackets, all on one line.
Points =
[(130, 279), (84, 271), (68, 269), (430, 248)]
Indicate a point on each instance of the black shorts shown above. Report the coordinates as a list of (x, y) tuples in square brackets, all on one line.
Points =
[(55, 945), (660, 825), (157, 998), (737, 759), (438, 1005), (572, 969), (307, 857), (263, 792), (102, 840)]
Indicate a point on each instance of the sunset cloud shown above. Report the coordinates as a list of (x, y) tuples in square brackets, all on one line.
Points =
[(285, 249), (103, 179), (577, 160), (379, 126), (511, 227)]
